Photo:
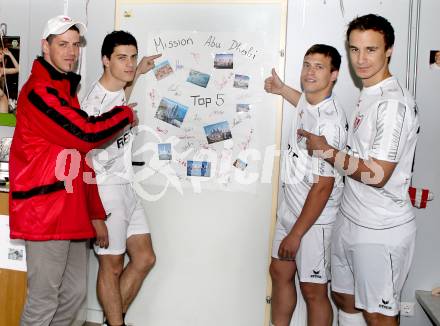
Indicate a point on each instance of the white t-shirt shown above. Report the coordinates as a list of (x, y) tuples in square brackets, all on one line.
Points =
[(384, 126), (298, 167), (435, 66), (112, 163)]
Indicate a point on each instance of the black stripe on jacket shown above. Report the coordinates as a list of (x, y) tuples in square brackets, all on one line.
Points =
[(40, 190), (91, 119), (71, 128)]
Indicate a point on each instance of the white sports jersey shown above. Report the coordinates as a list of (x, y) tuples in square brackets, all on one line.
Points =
[(384, 126), (299, 168), (112, 164)]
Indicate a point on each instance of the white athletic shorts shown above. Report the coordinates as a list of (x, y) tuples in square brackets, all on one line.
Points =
[(372, 264), (312, 258), (125, 217)]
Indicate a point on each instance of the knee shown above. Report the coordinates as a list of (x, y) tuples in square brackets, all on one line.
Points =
[(278, 273), (274, 272), (337, 299), (144, 262), (113, 269), (312, 295), (341, 302), (371, 319)]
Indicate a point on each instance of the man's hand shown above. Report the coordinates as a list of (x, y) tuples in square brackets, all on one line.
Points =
[(101, 233), (289, 247), (135, 115), (146, 64), (316, 145), (273, 84)]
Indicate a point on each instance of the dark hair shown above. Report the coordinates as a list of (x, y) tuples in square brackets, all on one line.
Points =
[(52, 36), (328, 51), (115, 39), (375, 23)]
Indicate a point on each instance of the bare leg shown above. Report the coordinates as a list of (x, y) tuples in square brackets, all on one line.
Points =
[(348, 314), (345, 302), (376, 319), (108, 287), (319, 308), (283, 291), (142, 259)]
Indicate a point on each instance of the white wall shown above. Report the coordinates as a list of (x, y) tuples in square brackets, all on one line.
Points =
[(425, 272), (324, 23)]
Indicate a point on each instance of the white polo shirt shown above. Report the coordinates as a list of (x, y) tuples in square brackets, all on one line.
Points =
[(112, 163), (299, 168), (384, 126)]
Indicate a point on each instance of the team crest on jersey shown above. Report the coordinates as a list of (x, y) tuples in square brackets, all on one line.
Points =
[(357, 121), (299, 137)]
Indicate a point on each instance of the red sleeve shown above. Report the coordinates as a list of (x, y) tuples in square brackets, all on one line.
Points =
[(94, 203), (69, 127)]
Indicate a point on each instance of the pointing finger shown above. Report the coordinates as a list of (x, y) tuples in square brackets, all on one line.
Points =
[(304, 133), (155, 56)]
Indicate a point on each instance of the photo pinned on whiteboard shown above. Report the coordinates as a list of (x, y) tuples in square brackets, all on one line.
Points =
[(164, 151), (163, 70), (217, 132), (239, 164), (198, 78), (15, 254), (242, 108), (241, 81), (198, 169), (224, 61), (171, 112)]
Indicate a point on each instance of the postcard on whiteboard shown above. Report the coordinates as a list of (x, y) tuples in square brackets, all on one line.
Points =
[(217, 132), (239, 164), (224, 61), (198, 78), (171, 112), (241, 81), (163, 70), (164, 150), (198, 168)]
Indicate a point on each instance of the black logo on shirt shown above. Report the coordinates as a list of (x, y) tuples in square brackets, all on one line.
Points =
[(316, 274), (384, 305), (121, 141), (291, 152)]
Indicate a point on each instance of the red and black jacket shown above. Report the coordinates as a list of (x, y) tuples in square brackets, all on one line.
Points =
[(51, 193)]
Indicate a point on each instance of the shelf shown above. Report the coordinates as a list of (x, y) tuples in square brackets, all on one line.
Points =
[(430, 304)]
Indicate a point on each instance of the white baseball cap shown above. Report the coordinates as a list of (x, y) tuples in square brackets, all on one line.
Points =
[(59, 24)]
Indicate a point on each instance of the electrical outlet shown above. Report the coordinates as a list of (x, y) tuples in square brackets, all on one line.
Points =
[(407, 309)]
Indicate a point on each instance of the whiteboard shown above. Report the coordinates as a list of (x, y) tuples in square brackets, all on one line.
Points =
[(211, 233)]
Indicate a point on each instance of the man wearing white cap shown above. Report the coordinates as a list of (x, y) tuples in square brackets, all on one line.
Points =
[(54, 201)]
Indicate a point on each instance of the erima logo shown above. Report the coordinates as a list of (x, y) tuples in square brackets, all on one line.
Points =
[(357, 121), (315, 274), (384, 304)]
